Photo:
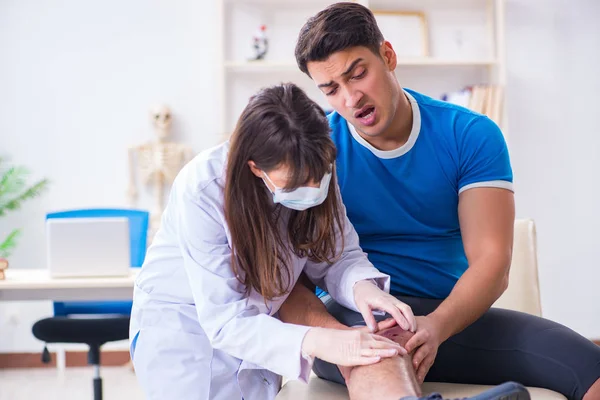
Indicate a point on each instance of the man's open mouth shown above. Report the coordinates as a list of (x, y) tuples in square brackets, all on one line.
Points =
[(366, 113)]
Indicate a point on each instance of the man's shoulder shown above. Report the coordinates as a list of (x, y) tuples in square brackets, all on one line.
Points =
[(338, 125), (449, 120), (336, 121), (440, 109)]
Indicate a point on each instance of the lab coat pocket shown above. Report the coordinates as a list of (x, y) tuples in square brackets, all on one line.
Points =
[(256, 382)]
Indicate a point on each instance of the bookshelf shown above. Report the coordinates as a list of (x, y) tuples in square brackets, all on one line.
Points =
[(465, 39)]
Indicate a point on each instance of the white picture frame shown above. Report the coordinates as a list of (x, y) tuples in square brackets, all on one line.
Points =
[(407, 31)]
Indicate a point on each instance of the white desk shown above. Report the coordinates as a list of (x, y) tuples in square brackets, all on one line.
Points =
[(36, 284)]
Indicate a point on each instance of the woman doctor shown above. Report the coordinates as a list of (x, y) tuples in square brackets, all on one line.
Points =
[(243, 221)]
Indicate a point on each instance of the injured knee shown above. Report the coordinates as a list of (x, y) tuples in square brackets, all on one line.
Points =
[(397, 334), (391, 378)]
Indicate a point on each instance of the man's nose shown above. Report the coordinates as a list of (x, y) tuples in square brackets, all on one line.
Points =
[(353, 98)]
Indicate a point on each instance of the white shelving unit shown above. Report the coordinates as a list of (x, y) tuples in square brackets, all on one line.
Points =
[(466, 42), (266, 66)]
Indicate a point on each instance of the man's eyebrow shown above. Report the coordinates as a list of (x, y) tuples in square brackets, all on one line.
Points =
[(346, 72), (351, 67)]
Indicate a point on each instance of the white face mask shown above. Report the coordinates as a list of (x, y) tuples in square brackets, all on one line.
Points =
[(303, 197)]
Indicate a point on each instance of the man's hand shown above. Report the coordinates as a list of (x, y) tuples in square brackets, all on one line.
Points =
[(369, 297), (424, 345)]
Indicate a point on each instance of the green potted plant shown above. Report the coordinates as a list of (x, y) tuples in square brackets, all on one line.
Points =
[(14, 190)]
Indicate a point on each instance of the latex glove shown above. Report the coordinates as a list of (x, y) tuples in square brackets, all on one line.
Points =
[(369, 297), (349, 347), (424, 344), (381, 326)]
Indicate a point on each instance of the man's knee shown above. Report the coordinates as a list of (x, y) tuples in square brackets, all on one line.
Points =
[(390, 378), (397, 334)]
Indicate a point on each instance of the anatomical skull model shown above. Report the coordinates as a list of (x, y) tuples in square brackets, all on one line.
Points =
[(158, 163)]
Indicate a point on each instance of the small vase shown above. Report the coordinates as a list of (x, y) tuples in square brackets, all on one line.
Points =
[(3, 266)]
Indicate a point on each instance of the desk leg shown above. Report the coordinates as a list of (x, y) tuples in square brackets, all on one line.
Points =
[(61, 359)]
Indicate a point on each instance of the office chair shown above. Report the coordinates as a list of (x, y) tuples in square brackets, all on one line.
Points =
[(110, 319)]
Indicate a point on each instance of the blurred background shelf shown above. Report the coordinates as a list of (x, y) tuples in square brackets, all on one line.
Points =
[(270, 66), (462, 44)]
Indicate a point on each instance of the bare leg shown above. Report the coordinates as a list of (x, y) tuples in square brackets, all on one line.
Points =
[(391, 378), (594, 392)]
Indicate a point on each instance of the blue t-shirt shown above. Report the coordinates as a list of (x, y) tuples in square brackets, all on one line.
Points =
[(404, 202)]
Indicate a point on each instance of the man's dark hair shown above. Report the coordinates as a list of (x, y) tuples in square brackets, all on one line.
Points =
[(336, 28)]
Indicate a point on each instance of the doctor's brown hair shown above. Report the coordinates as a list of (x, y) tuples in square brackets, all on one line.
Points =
[(280, 126)]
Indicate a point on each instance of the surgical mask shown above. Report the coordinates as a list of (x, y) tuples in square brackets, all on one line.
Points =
[(303, 197)]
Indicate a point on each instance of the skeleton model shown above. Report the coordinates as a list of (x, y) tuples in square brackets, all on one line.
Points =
[(158, 162)]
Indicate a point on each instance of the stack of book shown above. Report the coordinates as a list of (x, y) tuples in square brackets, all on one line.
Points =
[(484, 99)]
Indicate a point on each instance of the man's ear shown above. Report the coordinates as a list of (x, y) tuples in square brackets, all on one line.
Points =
[(388, 55)]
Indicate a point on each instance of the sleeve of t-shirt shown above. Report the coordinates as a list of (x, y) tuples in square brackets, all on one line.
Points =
[(484, 159)]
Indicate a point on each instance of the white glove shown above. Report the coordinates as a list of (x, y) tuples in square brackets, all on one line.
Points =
[(349, 347), (369, 297)]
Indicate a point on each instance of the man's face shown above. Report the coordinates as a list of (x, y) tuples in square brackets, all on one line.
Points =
[(360, 86)]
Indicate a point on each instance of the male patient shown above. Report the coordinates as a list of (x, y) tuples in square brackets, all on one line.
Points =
[(428, 187)]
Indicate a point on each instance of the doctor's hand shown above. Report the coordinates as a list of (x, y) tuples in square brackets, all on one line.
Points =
[(369, 297), (381, 326), (349, 347)]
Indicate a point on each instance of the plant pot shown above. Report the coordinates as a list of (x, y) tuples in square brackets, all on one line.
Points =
[(3, 266)]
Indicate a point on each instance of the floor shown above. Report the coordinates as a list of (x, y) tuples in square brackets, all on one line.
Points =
[(119, 383)]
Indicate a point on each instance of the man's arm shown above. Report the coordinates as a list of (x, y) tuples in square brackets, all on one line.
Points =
[(486, 218), (303, 307)]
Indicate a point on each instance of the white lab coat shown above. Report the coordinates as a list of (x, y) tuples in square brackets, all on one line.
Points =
[(194, 332)]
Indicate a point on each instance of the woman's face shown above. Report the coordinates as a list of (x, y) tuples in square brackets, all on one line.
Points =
[(279, 176)]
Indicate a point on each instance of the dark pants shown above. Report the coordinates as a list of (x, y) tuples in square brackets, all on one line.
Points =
[(500, 346)]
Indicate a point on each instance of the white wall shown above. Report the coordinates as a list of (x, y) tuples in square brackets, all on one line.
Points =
[(77, 80), (553, 86)]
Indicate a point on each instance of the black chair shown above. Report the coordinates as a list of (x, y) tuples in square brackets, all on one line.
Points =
[(93, 332)]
